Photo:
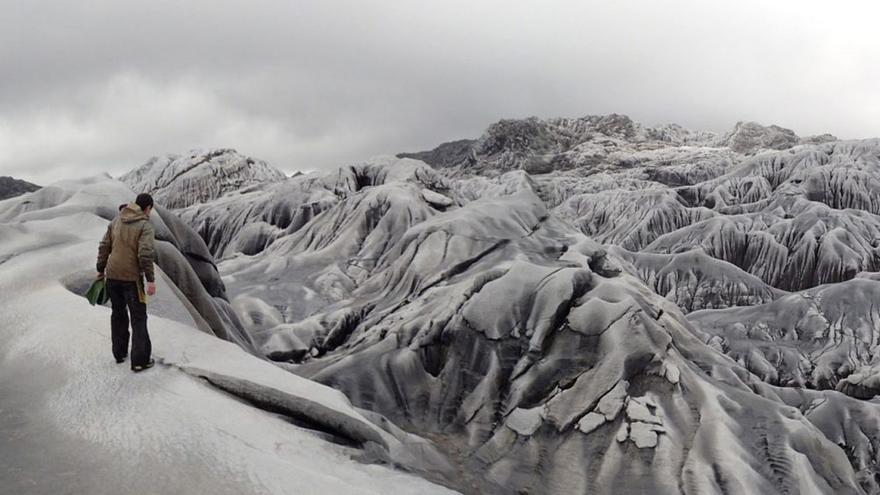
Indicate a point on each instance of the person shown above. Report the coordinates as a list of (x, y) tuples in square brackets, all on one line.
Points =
[(125, 255)]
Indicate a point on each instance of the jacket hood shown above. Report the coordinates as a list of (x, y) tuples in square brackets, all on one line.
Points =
[(132, 213)]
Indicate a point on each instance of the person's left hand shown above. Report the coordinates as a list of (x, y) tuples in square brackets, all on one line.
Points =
[(151, 288)]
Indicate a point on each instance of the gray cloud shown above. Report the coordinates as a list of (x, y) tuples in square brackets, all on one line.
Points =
[(102, 86)]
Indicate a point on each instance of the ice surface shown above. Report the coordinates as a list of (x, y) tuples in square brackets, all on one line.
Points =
[(498, 327), (525, 421), (514, 318), (590, 422), (68, 409), (694, 280), (813, 338)]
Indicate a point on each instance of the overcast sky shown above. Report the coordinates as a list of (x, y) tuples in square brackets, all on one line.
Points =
[(94, 86)]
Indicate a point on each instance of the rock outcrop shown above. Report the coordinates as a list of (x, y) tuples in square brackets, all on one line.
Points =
[(11, 187)]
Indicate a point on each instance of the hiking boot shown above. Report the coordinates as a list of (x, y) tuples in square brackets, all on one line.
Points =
[(120, 360), (141, 367)]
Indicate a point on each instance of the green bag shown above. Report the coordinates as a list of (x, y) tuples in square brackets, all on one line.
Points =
[(97, 293)]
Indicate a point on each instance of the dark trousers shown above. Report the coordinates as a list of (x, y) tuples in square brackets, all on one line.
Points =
[(124, 300)]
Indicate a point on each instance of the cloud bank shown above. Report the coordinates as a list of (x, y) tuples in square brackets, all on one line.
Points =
[(102, 86)]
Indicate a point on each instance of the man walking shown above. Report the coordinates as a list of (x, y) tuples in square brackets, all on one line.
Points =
[(124, 255)]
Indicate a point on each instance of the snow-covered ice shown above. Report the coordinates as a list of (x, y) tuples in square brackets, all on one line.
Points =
[(73, 421), (560, 306)]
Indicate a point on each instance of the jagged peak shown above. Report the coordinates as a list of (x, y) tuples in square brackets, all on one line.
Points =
[(200, 175), (540, 145), (748, 137)]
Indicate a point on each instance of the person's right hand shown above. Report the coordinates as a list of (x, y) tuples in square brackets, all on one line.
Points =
[(151, 288), (100, 275)]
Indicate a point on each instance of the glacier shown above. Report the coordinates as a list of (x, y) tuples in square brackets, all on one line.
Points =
[(584, 305), (210, 417)]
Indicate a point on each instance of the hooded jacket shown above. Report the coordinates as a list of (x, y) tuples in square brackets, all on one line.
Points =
[(127, 251)]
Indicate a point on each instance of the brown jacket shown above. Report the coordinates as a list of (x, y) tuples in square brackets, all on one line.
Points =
[(127, 250)]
